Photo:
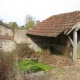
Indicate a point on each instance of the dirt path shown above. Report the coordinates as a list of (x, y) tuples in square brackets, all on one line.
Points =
[(63, 68), (65, 73)]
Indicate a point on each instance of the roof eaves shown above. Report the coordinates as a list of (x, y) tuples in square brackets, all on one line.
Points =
[(73, 28)]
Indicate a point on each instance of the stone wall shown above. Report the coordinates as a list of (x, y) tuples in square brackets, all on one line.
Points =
[(35, 42), (5, 31), (20, 36), (8, 45)]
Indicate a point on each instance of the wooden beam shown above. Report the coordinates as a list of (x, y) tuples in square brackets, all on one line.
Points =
[(77, 26), (74, 46), (71, 29), (71, 41)]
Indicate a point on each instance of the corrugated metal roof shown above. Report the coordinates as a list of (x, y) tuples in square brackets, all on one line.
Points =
[(56, 24)]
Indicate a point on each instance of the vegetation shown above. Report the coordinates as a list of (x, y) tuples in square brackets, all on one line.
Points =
[(29, 65), (30, 22), (22, 27), (33, 66), (24, 51), (6, 66), (37, 22), (13, 25), (9, 71)]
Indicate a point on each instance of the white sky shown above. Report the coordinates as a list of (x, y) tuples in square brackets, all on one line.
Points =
[(16, 10)]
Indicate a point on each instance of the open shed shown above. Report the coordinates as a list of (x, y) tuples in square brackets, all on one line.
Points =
[(62, 29)]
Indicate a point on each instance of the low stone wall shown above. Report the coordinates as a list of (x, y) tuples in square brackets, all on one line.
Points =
[(8, 45), (33, 45), (5, 31), (20, 36)]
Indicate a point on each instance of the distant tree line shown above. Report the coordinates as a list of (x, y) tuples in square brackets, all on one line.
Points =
[(29, 23)]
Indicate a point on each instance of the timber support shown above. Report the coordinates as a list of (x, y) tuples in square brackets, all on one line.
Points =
[(74, 46), (71, 41)]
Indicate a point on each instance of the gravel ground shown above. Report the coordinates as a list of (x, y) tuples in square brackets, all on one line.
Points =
[(64, 73), (63, 68)]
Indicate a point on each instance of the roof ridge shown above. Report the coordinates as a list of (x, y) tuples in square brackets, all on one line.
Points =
[(62, 14)]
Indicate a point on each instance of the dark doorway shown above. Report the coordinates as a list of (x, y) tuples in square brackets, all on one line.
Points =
[(78, 44)]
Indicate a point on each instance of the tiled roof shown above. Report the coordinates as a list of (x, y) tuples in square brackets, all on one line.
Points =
[(5, 25), (56, 24)]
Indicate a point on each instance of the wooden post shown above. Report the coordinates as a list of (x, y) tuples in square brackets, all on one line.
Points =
[(74, 46), (71, 41)]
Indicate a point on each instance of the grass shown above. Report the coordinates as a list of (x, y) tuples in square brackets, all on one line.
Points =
[(33, 66), (6, 65)]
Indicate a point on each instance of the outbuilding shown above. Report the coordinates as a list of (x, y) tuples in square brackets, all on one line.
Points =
[(61, 31)]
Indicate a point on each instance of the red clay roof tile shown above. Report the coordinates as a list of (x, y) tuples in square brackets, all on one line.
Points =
[(56, 24)]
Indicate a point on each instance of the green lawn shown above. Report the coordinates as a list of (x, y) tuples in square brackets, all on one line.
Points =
[(33, 66)]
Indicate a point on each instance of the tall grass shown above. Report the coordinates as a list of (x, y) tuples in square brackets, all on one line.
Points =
[(6, 65), (8, 69), (24, 51)]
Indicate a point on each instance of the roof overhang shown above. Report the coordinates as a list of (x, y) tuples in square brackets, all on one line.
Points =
[(77, 27)]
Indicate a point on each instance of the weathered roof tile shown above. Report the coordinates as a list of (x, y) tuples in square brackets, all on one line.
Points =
[(54, 25)]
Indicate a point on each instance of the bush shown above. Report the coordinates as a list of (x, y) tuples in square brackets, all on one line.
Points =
[(6, 65), (24, 51)]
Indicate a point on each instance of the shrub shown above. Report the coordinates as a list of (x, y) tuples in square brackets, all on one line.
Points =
[(24, 51), (6, 65)]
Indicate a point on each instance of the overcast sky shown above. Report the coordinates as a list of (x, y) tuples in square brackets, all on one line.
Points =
[(16, 10)]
